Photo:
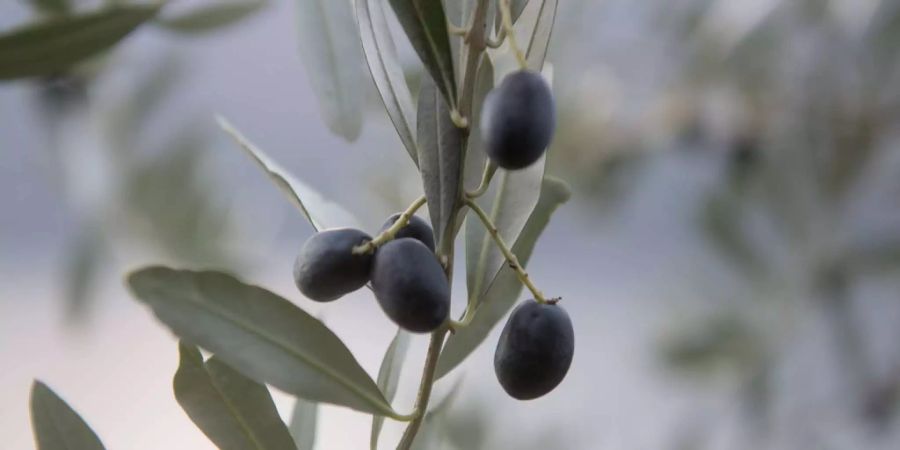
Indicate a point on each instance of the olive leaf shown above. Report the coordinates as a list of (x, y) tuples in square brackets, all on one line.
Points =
[(53, 46), (440, 160), (84, 261), (384, 65), (56, 425), (515, 198), (52, 6), (533, 31), (233, 411), (502, 294), (425, 23), (211, 17), (475, 153), (260, 334), (329, 46), (304, 419), (389, 377), (320, 212), (536, 52), (516, 7)]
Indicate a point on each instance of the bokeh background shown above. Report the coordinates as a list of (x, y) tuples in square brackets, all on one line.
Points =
[(730, 257)]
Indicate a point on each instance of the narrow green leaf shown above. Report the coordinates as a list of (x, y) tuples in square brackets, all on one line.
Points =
[(515, 198), (384, 65), (59, 7), (503, 293), (389, 377), (536, 52), (55, 45), (56, 425), (475, 153), (211, 17), (320, 212), (329, 47), (425, 23), (233, 411), (515, 8), (440, 159), (304, 419), (260, 334)]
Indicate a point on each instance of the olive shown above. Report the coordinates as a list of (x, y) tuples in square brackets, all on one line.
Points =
[(326, 267), (410, 285), (416, 228), (535, 350), (518, 120)]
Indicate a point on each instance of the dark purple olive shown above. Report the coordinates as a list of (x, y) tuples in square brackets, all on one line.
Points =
[(410, 285), (518, 120), (416, 228), (535, 350), (326, 267)]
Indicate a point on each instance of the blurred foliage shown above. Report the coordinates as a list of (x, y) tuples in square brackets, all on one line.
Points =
[(796, 103), (166, 200)]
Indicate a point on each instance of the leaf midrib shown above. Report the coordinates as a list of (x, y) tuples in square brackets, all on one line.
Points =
[(231, 408)]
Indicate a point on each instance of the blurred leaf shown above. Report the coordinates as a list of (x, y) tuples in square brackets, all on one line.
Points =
[(127, 119), (475, 154), (389, 377), (515, 8), (425, 23), (883, 33), (211, 17), (875, 253), (303, 424), (175, 206), (458, 11), (233, 411), (433, 430), (56, 425), (329, 46), (384, 65), (83, 263), (722, 223), (260, 334), (440, 153), (59, 7), (503, 293), (52, 46), (467, 427), (321, 213), (539, 42), (722, 341)]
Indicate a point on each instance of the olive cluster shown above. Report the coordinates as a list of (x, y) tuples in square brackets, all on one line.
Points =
[(536, 346), (406, 277)]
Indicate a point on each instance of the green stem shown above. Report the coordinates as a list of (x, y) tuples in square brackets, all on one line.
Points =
[(425, 386), (475, 45), (507, 253), (511, 34), (489, 170), (389, 234)]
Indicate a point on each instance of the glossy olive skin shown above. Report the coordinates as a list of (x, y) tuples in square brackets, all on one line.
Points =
[(535, 350), (326, 267), (410, 285), (416, 228), (518, 120)]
